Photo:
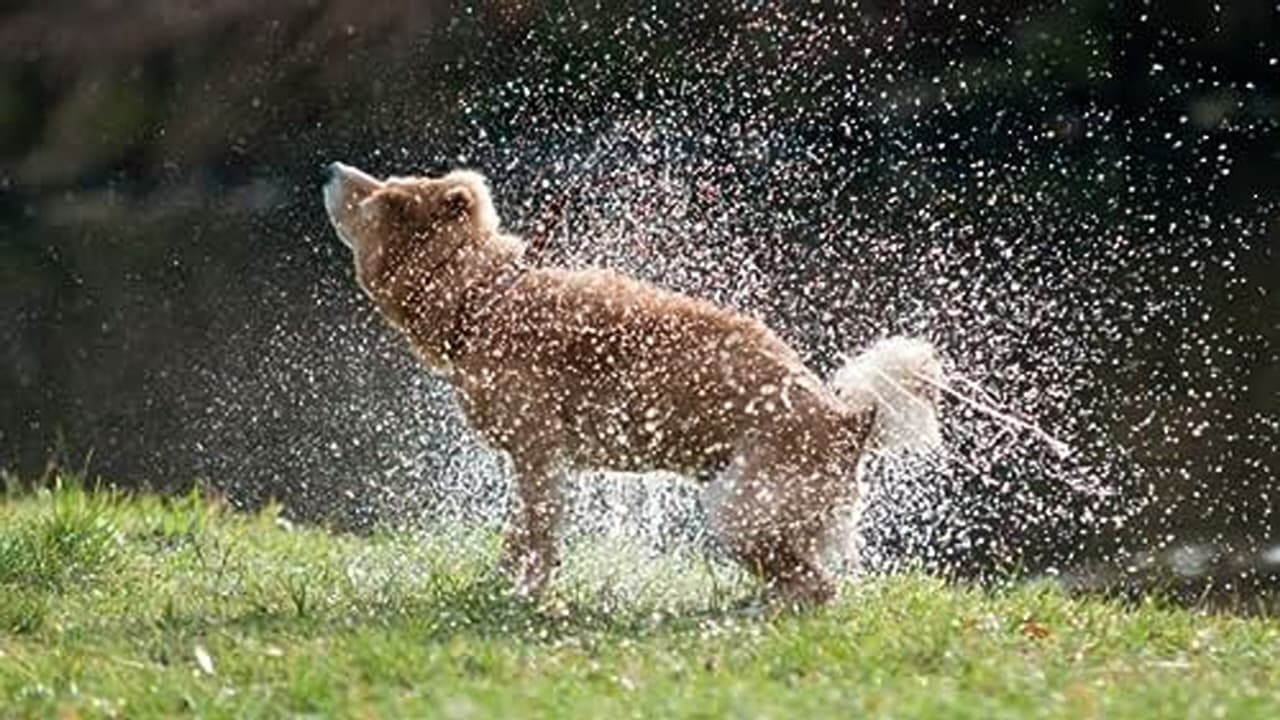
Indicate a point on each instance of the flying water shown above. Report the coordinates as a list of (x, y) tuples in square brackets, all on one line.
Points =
[(800, 167)]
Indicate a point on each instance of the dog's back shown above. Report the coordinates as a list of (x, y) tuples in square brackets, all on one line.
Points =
[(639, 378)]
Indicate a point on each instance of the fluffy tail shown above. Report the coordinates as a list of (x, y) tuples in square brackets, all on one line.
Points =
[(896, 380)]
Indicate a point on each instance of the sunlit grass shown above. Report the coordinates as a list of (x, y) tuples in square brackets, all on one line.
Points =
[(138, 606)]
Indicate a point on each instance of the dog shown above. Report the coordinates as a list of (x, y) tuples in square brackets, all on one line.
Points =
[(590, 369)]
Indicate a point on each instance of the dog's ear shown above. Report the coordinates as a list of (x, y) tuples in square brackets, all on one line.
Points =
[(468, 195), (459, 200)]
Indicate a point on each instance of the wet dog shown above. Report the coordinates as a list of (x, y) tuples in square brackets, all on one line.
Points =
[(569, 370)]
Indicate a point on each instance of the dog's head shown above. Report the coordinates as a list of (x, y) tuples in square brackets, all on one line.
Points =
[(897, 379), (403, 227)]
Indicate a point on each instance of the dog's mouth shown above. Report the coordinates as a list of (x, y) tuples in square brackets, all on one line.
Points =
[(345, 187)]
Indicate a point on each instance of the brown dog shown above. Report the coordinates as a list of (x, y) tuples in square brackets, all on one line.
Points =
[(590, 369)]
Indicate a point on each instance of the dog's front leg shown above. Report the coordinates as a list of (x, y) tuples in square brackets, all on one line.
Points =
[(529, 547)]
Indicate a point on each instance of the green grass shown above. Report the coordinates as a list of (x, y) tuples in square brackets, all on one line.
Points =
[(139, 607)]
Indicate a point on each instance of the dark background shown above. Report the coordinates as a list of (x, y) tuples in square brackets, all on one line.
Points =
[(1076, 201)]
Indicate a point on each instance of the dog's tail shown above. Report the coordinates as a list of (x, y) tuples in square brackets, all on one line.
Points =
[(895, 382)]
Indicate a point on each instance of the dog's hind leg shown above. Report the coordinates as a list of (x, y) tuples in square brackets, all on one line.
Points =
[(772, 522), (529, 547), (789, 566)]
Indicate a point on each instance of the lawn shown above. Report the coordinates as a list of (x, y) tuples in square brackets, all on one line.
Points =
[(114, 605)]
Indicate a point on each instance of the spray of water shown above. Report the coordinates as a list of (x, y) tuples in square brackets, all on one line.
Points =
[(1060, 448), (844, 202)]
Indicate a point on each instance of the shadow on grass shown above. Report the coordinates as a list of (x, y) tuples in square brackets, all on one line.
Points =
[(1255, 596)]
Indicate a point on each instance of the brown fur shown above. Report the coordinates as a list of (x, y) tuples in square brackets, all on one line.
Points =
[(591, 369)]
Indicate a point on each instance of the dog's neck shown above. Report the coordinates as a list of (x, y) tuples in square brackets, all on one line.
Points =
[(439, 313), (478, 298)]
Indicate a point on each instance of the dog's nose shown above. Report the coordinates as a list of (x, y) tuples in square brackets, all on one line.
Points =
[(343, 175)]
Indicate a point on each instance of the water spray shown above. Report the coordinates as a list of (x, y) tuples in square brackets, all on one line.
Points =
[(1060, 448)]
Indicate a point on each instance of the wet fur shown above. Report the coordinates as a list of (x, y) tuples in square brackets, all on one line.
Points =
[(591, 369)]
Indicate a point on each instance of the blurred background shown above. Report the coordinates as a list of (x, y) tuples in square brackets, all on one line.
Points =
[(1076, 201)]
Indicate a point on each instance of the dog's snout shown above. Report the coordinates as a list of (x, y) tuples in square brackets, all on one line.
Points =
[(337, 173), (343, 188)]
